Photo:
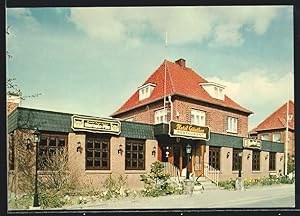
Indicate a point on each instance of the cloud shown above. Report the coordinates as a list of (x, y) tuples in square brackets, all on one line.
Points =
[(256, 88), (24, 18), (220, 25)]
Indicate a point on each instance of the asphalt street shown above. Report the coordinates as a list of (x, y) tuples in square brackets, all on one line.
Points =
[(275, 196)]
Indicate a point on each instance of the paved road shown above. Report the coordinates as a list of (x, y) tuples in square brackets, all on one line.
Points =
[(276, 196)]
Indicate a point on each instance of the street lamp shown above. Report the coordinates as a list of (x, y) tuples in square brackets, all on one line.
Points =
[(188, 151), (239, 183), (240, 164), (36, 134)]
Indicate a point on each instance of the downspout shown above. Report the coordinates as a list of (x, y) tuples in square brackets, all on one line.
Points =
[(171, 104)]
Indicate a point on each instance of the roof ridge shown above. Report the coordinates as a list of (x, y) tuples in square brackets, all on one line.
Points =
[(151, 75)]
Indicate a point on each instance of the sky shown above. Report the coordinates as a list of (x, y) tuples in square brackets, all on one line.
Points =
[(91, 60)]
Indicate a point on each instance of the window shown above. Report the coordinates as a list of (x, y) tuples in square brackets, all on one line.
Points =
[(272, 161), (256, 161), (160, 116), (129, 119), (145, 91), (276, 137), (97, 153), (236, 159), (214, 157), (265, 137), (135, 155), (49, 144), (197, 117), (231, 125), (215, 90)]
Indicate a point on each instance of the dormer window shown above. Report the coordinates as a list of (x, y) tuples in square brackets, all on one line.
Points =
[(145, 91), (215, 90)]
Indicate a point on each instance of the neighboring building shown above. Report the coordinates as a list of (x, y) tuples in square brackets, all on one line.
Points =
[(273, 128), (197, 113), (13, 101)]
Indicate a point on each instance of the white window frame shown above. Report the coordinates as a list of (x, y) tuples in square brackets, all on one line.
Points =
[(265, 134), (198, 117), (145, 91), (232, 124), (160, 116), (130, 119), (273, 137)]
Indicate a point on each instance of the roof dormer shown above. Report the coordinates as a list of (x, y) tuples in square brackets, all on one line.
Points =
[(215, 90), (145, 91)]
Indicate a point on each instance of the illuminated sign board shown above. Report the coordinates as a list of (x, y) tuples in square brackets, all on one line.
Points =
[(251, 143), (177, 129), (95, 125)]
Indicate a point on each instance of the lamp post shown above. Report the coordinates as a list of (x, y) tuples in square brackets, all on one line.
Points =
[(188, 151), (239, 183), (240, 164), (36, 140)]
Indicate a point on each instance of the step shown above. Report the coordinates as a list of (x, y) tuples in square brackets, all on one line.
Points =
[(205, 188)]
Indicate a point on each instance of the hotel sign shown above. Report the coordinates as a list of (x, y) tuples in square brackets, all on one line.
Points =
[(95, 125), (177, 129), (251, 143)]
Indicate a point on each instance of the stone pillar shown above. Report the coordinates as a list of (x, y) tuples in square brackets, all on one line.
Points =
[(239, 183), (188, 187)]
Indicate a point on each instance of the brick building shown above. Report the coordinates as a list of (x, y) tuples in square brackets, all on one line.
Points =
[(274, 127), (97, 147), (146, 128), (177, 95)]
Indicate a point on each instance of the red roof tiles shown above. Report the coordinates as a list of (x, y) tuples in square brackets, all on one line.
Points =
[(181, 81), (277, 120)]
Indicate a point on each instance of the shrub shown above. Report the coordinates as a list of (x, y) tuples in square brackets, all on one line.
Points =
[(52, 199), (156, 183), (228, 185), (268, 181), (114, 187), (22, 202), (291, 165)]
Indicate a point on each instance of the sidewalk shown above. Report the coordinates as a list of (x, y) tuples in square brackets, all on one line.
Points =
[(266, 196)]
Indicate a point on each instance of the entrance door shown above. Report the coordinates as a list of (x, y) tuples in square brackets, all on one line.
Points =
[(198, 160), (176, 153)]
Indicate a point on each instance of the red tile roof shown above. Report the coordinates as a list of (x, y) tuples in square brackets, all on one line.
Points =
[(181, 81), (277, 120)]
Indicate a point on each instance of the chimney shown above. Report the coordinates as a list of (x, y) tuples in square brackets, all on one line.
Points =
[(181, 62)]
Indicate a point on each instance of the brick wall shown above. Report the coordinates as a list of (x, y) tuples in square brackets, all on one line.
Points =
[(95, 178), (216, 117), (144, 114), (226, 164), (291, 135)]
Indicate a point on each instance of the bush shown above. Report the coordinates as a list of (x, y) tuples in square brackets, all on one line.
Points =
[(52, 199), (23, 202), (228, 185), (291, 165), (156, 183), (268, 181), (114, 187)]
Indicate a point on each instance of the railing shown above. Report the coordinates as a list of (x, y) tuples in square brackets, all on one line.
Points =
[(171, 169), (211, 173)]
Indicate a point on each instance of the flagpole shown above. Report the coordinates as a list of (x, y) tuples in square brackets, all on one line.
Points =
[(165, 77), (286, 139)]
